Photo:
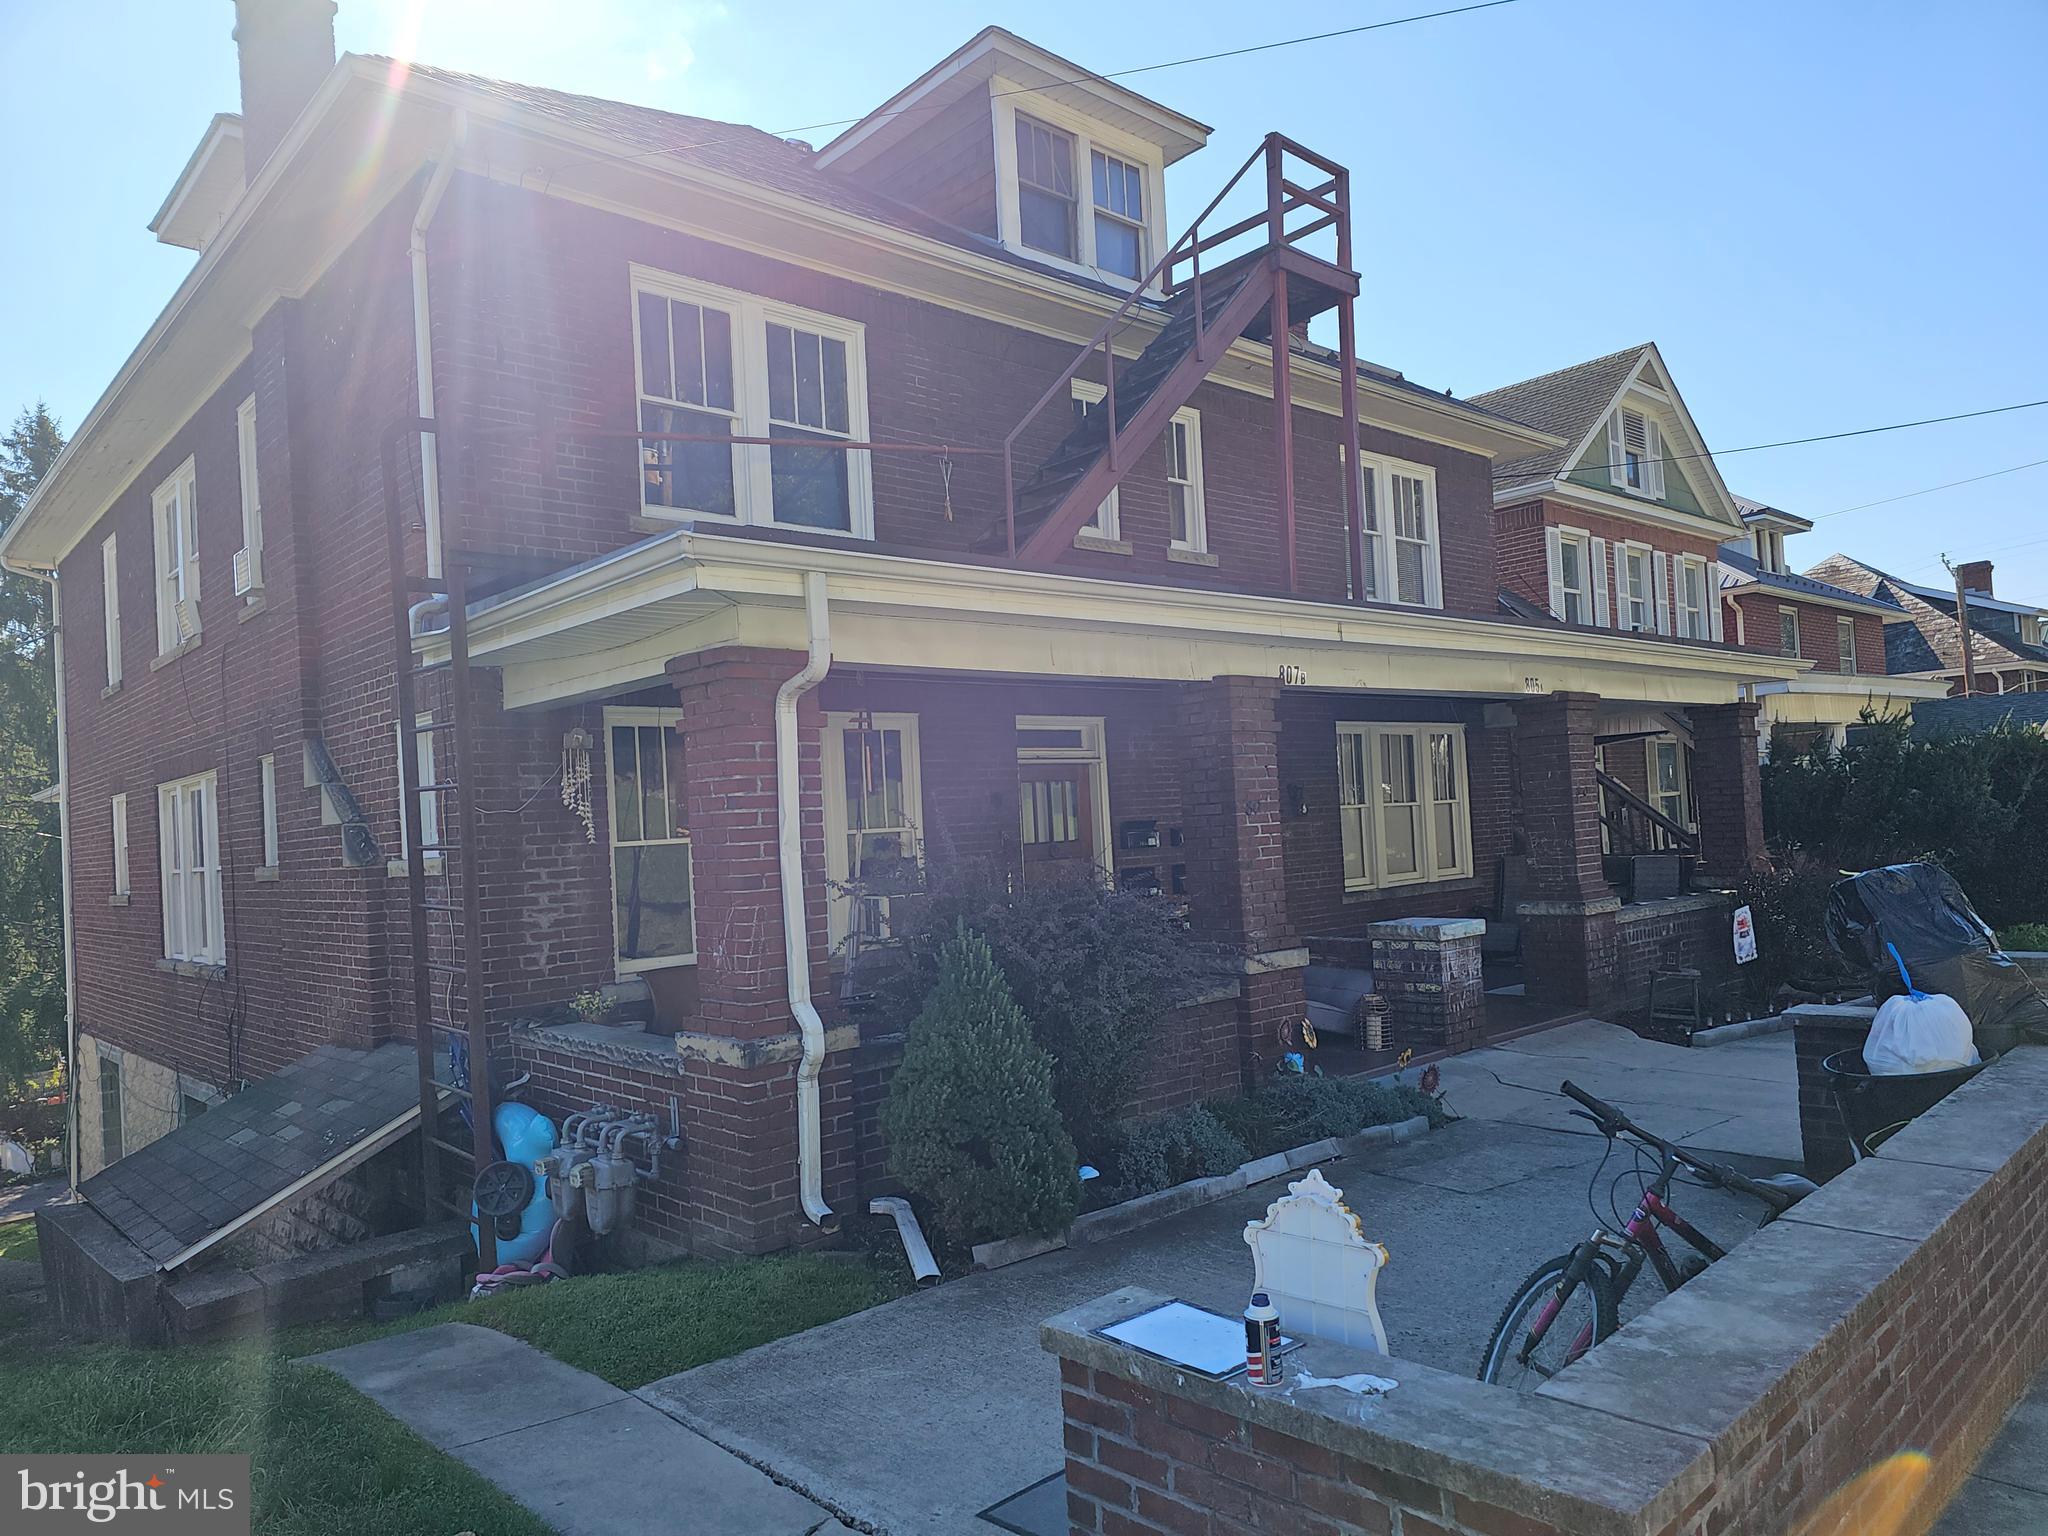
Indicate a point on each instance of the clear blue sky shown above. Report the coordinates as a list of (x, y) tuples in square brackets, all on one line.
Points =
[(1830, 214)]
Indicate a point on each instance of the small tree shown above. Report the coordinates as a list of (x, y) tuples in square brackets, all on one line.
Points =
[(972, 1126)]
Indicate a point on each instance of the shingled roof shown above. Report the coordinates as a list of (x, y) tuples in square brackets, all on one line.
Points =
[(1741, 569), (1932, 642), (1566, 402)]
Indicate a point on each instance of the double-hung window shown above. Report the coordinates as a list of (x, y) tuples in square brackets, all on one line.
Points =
[(266, 774), (1187, 525), (1638, 610), (1404, 810), (110, 606), (121, 847), (1692, 598), (188, 832), (1088, 398), (1788, 632), (1045, 189), (1119, 215), (1635, 453), (1403, 555), (873, 819), (249, 561), (653, 910), (1845, 642), (1575, 578), (1670, 782), (715, 364), (175, 512)]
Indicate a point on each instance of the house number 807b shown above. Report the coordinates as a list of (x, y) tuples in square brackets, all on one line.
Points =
[(1292, 676)]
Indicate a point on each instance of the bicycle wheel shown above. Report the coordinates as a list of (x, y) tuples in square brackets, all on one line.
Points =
[(1586, 1317)]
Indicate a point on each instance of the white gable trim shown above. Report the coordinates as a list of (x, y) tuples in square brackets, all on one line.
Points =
[(1682, 443)]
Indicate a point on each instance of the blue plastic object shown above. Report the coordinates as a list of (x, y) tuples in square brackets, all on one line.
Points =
[(525, 1136), (1911, 990)]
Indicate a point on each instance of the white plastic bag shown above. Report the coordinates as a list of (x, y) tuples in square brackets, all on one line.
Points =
[(1919, 1032)]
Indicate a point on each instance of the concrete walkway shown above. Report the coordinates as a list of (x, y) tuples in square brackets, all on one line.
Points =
[(915, 1416), (20, 1202), (580, 1453), (2007, 1494)]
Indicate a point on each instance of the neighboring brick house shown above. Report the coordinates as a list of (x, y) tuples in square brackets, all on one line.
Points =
[(1843, 633), (795, 664), (2008, 640)]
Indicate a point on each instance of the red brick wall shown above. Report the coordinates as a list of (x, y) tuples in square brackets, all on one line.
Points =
[(1525, 562), (1818, 640), (947, 169)]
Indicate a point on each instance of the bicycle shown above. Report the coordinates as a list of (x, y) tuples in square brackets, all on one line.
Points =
[(1574, 1300)]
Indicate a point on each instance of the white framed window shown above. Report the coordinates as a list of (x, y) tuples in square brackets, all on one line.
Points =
[(266, 773), (188, 832), (1845, 642), (1088, 398), (1693, 613), (1073, 192), (1670, 778), (1637, 608), (110, 606), (175, 512), (1788, 632), (1187, 524), (1403, 555), (249, 565), (1403, 804), (1119, 188), (1635, 453), (654, 919), (1770, 549), (1572, 592), (421, 772), (713, 361), (120, 818), (874, 819)]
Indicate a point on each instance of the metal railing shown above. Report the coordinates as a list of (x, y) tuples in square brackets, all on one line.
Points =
[(1635, 826)]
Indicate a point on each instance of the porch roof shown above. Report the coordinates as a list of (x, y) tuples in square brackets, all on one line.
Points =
[(613, 623), (1831, 698)]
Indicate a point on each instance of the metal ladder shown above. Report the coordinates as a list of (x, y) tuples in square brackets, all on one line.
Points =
[(444, 896)]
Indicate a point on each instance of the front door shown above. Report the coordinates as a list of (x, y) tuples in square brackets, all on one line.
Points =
[(1056, 815)]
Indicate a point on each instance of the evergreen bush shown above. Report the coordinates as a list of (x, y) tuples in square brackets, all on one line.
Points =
[(973, 1129), (1170, 1149)]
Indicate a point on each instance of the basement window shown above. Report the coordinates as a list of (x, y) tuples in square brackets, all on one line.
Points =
[(112, 1146), (653, 907)]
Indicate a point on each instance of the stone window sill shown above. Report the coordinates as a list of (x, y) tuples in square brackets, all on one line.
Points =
[(396, 868), (201, 968), (119, 899), (1101, 545), (266, 872), (110, 690), (181, 649), (1191, 557), (252, 607)]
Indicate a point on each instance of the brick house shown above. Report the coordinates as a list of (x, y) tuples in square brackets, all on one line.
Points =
[(1843, 633), (2008, 639), (796, 535)]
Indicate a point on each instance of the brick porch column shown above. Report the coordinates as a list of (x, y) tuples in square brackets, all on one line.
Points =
[(740, 1054), (1569, 946), (1237, 864), (1428, 970), (1727, 786)]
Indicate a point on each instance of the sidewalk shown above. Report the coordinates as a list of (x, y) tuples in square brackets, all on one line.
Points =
[(2006, 1494), (585, 1456)]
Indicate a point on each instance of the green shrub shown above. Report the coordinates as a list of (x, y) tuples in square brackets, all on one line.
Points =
[(1171, 1149), (2023, 936), (973, 1130), (1095, 970), (1291, 1108), (1787, 897)]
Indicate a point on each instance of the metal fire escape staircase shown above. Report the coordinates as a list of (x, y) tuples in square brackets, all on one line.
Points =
[(1268, 284), (445, 899)]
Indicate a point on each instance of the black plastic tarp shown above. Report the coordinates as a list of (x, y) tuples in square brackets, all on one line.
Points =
[(1947, 947)]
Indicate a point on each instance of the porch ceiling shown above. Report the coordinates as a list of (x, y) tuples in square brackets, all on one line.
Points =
[(614, 623)]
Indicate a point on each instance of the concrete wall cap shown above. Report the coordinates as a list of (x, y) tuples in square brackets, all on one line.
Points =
[(1433, 930)]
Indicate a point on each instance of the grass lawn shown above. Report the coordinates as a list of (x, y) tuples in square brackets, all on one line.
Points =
[(327, 1459), (18, 1241)]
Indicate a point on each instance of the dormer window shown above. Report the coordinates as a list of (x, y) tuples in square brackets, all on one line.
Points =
[(1045, 188), (1119, 215), (1635, 453), (1770, 549), (1074, 192)]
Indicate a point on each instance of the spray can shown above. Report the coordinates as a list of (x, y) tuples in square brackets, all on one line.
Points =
[(1262, 1342)]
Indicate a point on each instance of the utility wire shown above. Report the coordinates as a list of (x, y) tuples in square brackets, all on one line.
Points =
[(1088, 78), (1947, 485)]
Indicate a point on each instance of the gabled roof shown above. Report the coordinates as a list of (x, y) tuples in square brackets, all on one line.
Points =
[(1932, 640), (1576, 402), (206, 189), (1755, 512), (1739, 568), (997, 50)]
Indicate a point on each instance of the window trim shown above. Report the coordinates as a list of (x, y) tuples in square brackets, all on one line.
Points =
[(1089, 136), (1845, 644), (1094, 751), (668, 720), (182, 487), (1376, 470), (110, 605), (1583, 542), (1106, 521), (1624, 597), (111, 1151), (169, 866), (1197, 541), (1652, 488), (1688, 816), (1431, 871), (252, 497), (838, 874), (1798, 645), (266, 777), (122, 871), (752, 480), (1680, 611)]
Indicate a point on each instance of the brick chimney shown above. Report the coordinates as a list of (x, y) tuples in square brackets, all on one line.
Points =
[(1975, 575), (286, 48)]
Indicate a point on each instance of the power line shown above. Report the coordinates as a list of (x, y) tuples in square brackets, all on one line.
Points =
[(1947, 485), (1033, 90), (1828, 437)]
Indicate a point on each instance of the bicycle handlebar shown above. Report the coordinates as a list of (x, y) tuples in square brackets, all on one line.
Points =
[(1613, 1122)]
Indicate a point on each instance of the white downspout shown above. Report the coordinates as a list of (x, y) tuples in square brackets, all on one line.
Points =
[(64, 866), (423, 340), (796, 938)]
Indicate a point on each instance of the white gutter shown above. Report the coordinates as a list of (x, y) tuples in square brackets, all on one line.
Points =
[(423, 339), (796, 939), (64, 866)]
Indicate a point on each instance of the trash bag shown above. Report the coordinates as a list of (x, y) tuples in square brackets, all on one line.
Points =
[(1918, 1031), (1947, 947)]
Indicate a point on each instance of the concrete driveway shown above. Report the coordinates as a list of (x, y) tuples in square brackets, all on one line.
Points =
[(912, 1418)]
